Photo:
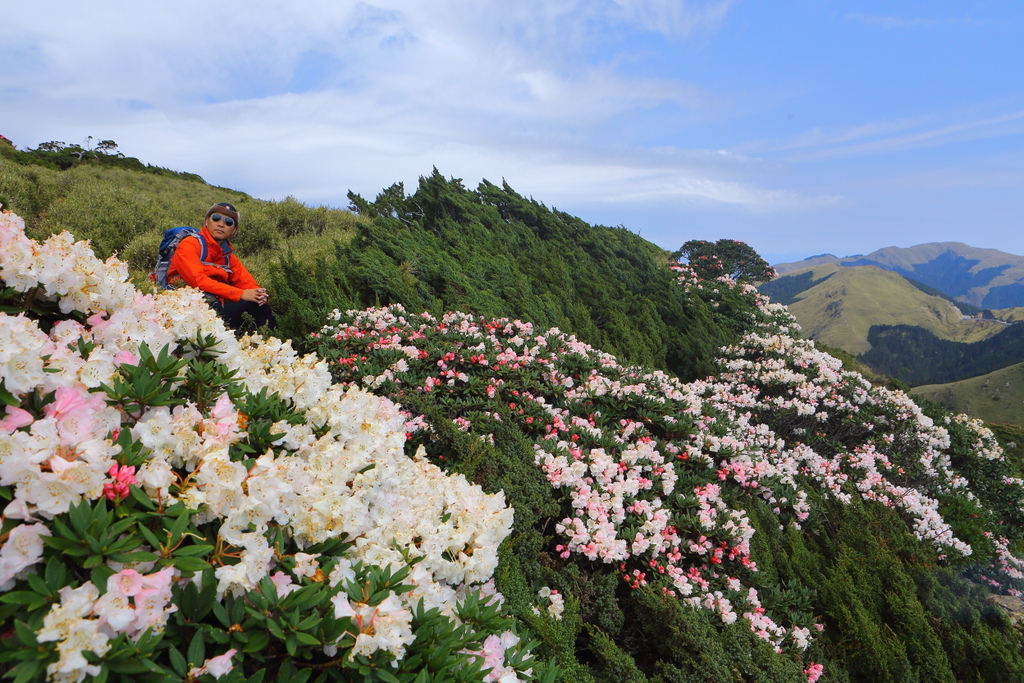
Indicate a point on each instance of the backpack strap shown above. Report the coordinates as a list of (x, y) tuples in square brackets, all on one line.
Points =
[(204, 254)]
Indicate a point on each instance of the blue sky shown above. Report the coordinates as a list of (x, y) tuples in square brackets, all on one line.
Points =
[(798, 126)]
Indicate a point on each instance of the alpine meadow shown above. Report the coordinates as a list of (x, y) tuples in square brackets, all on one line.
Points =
[(486, 442)]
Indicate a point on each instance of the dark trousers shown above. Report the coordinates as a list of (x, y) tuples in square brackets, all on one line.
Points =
[(232, 312)]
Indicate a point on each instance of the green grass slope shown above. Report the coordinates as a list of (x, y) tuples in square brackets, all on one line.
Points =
[(126, 210), (996, 397), (842, 304)]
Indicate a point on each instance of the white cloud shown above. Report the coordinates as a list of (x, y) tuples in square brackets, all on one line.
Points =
[(886, 137), (675, 17), (897, 22)]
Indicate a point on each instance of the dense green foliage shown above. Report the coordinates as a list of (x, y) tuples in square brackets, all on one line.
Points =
[(495, 253), (916, 356), (725, 257)]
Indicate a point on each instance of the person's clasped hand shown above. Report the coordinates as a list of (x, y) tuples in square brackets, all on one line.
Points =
[(258, 295)]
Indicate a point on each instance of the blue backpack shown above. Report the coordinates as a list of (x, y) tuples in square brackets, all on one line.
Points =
[(168, 245)]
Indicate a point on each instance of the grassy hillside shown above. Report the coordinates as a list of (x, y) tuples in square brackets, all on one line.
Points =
[(838, 306), (1011, 315), (126, 210), (995, 397)]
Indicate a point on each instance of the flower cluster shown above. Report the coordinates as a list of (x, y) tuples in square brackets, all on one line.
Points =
[(653, 471), (152, 464), (85, 621), (555, 603), (632, 450)]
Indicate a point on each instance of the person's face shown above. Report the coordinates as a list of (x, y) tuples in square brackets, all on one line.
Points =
[(220, 226)]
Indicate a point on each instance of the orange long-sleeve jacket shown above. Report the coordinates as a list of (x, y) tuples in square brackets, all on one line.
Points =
[(187, 267)]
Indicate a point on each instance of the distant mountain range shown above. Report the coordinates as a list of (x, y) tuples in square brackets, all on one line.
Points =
[(942, 315), (986, 278), (839, 306)]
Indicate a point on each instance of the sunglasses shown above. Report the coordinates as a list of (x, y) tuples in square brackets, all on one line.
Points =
[(228, 220)]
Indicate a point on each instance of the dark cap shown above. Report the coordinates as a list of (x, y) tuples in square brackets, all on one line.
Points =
[(225, 209)]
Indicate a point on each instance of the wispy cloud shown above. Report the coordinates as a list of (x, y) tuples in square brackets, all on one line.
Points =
[(675, 18), (883, 138), (897, 22)]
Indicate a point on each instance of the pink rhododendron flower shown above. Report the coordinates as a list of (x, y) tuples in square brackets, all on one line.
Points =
[(16, 419), (215, 666), (125, 358), (284, 584), (123, 476)]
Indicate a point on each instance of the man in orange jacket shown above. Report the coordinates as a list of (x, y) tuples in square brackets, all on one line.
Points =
[(232, 290)]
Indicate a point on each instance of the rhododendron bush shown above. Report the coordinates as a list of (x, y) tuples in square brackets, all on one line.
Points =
[(179, 504), (654, 477)]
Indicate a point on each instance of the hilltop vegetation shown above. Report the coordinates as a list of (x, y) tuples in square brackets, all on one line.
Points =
[(495, 253), (756, 514)]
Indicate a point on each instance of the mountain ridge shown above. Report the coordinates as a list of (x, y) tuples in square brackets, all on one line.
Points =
[(983, 277), (840, 305)]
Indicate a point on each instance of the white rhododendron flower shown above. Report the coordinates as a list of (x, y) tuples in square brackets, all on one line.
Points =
[(339, 472)]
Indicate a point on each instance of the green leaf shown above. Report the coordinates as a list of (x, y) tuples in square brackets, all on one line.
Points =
[(26, 671), (92, 561), (25, 634), (150, 537), (140, 497), (306, 639), (7, 397), (128, 667), (258, 640), (100, 575), (141, 556), (190, 564), (120, 527), (36, 583), (221, 614), (23, 598), (197, 650), (55, 574), (191, 550)]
